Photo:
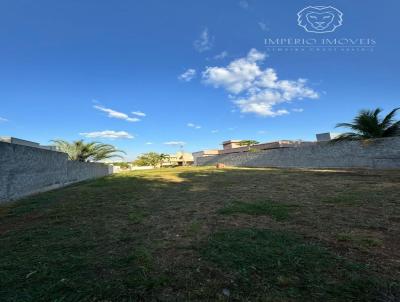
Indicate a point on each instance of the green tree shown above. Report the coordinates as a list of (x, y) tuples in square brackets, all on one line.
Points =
[(248, 143), (150, 159), (368, 124), (163, 157), (82, 151)]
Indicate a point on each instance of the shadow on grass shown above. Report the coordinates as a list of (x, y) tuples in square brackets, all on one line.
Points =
[(278, 211), (281, 266), (107, 239)]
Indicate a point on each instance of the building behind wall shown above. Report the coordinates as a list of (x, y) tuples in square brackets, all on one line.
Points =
[(234, 146), (179, 159), (204, 153), (231, 144), (327, 136), (18, 141)]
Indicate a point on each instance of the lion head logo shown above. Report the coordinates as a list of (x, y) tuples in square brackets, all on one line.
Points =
[(320, 19)]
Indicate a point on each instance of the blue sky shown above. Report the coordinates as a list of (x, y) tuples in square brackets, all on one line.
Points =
[(199, 70)]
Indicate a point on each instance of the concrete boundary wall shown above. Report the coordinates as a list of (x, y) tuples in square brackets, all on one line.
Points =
[(26, 170), (376, 154)]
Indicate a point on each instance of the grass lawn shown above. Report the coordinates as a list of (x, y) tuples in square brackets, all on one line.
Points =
[(207, 234)]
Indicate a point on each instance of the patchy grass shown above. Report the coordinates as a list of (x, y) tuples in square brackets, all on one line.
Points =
[(194, 228), (281, 266), (137, 216), (160, 235), (347, 198), (276, 210), (360, 240), (140, 265)]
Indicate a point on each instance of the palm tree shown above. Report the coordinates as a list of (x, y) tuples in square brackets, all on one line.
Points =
[(81, 151), (367, 124)]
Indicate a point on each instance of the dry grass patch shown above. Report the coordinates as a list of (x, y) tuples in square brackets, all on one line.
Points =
[(278, 211), (362, 240), (160, 235)]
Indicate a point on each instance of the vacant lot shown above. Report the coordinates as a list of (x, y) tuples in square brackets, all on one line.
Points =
[(207, 234)]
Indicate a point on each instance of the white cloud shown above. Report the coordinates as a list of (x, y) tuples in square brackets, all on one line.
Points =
[(138, 113), (214, 131), (261, 132), (257, 90), (204, 42), (149, 143), (107, 134), (221, 55), (298, 110), (188, 75), (244, 4), (191, 125), (115, 114), (263, 26), (3, 120), (238, 75), (175, 143)]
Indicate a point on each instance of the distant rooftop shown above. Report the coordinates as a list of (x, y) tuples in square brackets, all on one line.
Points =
[(327, 136), (18, 141), (231, 141)]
